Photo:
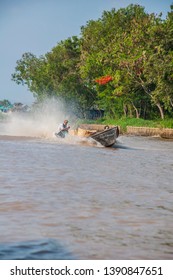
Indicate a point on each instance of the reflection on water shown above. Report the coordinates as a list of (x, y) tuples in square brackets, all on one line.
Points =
[(71, 199), (34, 250)]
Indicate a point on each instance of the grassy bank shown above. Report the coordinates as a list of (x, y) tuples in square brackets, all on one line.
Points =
[(124, 122)]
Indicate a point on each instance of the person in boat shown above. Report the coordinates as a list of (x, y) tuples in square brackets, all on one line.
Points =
[(63, 129)]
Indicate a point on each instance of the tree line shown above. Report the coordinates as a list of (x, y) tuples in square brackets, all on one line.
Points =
[(121, 63)]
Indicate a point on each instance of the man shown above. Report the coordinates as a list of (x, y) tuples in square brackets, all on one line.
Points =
[(63, 129)]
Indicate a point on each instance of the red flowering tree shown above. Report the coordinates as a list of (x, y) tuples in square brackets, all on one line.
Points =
[(104, 80)]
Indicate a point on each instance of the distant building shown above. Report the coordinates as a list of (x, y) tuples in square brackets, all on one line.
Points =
[(16, 107), (5, 109)]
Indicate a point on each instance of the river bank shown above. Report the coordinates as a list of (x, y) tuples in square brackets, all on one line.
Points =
[(85, 130), (128, 126), (148, 131)]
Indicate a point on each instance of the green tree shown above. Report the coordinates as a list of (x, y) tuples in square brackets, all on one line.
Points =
[(133, 47), (56, 74), (33, 72), (63, 63), (114, 45)]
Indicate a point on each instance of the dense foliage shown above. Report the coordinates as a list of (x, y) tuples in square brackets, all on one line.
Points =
[(122, 63)]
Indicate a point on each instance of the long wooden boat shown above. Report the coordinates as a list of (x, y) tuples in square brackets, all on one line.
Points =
[(107, 137)]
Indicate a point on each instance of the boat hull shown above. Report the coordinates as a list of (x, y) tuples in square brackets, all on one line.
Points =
[(106, 137), (60, 134)]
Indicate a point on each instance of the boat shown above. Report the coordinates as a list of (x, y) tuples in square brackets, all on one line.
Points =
[(107, 137), (60, 134)]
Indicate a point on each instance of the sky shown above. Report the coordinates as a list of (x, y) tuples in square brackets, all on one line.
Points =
[(37, 26)]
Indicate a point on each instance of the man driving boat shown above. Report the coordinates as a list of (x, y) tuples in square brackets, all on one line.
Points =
[(63, 129)]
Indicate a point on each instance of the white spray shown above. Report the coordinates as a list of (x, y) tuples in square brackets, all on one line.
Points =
[(41, 121)]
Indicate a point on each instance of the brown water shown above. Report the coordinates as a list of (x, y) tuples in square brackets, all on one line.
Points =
[(75, 200)]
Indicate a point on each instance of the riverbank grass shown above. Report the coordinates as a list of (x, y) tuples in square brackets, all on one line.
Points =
[(124, 122)]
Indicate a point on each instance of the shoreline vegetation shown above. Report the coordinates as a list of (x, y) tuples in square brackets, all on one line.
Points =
[(125, 122), (133, 126), (121, 64)]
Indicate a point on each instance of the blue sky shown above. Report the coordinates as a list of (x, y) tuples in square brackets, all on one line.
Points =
[(36, 26)]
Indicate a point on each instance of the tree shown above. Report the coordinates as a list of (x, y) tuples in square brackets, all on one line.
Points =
[(63, 63), (114, 45), (5, 103), (132, 47), (56, 74), (32, 72)]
